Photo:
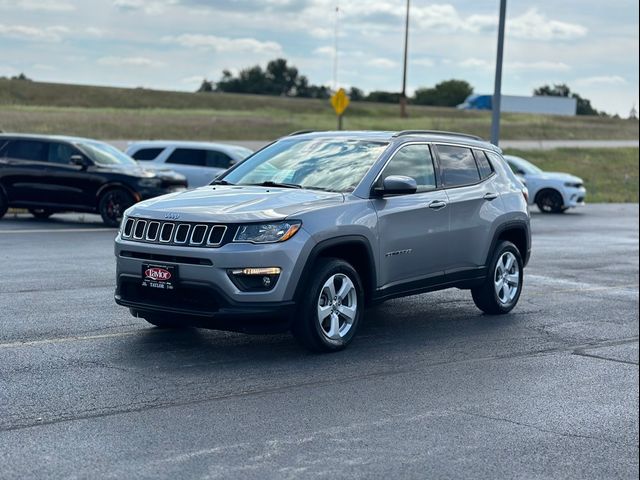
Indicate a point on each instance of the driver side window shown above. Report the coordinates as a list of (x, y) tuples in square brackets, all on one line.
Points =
[(413, 161), (61, 153)]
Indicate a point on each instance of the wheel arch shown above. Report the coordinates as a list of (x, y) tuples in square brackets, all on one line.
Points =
[(113, 186), (353, 249), (516, 232), (545, 190)]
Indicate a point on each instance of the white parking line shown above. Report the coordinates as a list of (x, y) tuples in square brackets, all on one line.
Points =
[(61, 230), (73, 339)]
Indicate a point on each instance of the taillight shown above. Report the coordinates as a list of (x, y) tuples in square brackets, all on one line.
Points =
[(525, 194)]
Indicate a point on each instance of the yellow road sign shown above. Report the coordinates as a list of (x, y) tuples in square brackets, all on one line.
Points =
[(340, 101)]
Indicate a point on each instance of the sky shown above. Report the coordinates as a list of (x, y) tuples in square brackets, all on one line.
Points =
[(591, 45)]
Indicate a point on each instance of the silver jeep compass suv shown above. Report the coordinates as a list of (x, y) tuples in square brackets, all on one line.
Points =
[(307, 232)]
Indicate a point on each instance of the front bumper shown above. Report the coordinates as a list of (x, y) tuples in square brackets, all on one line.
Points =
[(574, 197), (205, 289)]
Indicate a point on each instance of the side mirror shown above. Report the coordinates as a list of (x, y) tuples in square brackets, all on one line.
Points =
[(79, 160), (398, 185)]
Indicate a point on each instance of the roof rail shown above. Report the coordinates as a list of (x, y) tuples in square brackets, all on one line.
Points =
[(438, 132), (300, 132)]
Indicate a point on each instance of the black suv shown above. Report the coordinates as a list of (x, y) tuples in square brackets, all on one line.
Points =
[(49, 174)]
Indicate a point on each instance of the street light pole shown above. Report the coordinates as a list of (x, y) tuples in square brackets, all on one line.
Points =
[(403, 95), (495, 103)]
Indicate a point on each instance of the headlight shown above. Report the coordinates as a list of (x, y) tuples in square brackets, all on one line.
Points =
[(149, 182), (573, 184), (267, 232)]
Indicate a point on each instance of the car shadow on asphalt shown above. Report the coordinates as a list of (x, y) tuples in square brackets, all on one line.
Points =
[(397, 327)]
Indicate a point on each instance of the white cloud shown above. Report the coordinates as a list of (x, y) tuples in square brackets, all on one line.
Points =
[(535, 26), (225, 44), (602, 80), (475, 63), (38, 5), (542, 65), (129, 62), (26, 32), (326, 51), (150, 7), (382, 63), (423, 62)]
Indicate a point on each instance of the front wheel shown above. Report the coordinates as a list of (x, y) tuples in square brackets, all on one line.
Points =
[(550, 201), (112, 205), (503, 284), (331, 308)]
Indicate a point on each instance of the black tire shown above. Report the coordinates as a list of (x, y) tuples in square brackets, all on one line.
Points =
[(41, 213), (307, 327), (4, 204), (485, 296), (550, 201), (112, 205)]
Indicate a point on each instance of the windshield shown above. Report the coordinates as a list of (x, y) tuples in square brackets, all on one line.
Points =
[(104, 154), (520, 165), (326, 164)]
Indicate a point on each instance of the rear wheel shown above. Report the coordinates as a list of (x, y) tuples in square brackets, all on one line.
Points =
[(112, 205), (41, 213), (331, 308), (4, 204), (503, 285), (550, 201)]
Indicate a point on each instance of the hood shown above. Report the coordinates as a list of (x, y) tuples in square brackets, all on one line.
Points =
[(235, 204), (565, 177)]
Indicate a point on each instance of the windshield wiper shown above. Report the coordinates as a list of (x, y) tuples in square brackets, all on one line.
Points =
[(221, 182), (269, 183)]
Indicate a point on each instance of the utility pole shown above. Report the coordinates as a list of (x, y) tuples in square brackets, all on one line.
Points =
[(403, 95), (336, 33), (495, 103)]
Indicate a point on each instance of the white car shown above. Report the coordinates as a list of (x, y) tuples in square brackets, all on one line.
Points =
[(200, 162), (552, 192)]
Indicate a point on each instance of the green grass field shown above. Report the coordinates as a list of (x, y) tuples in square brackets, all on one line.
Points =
[(610, 174), (117, 113)]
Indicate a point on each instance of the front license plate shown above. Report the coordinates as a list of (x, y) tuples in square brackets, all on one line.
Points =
[(164, 277)]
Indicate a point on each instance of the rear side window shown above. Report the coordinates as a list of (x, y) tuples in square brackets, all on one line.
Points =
[(61, 153), (28, 150), (457, 165), (217, 159), (483, 164), (413, 161), (188, 156), (147, 154)]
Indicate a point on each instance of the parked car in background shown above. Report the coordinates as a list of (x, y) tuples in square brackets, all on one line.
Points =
[(552, 192), (314, 227), (200, 162), (48, 174)]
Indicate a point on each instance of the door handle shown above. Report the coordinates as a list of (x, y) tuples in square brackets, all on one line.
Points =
[(490, 196), (437, 204)]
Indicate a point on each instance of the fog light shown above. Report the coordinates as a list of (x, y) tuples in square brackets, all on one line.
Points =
[(252, 279)]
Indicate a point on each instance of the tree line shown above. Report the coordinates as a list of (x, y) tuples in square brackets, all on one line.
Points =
[(282, 79)]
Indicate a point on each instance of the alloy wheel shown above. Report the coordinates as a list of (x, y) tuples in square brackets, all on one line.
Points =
[(337, 306)]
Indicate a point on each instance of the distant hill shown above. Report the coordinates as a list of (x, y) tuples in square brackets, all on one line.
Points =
[(132, 113)]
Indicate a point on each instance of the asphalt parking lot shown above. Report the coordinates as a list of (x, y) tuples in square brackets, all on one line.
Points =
[(430, 388)]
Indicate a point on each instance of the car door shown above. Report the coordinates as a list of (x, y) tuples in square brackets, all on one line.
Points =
[(190, 162), (474, 202), (70, 184), (412, 228), (24, 171)]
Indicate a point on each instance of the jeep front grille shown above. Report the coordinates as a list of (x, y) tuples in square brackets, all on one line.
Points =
[(174, 233)]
